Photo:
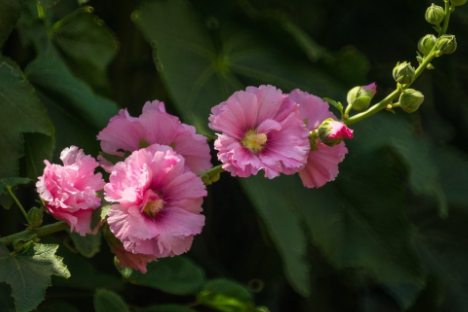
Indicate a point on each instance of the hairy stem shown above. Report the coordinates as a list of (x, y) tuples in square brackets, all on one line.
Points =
[(8, 188), (30, 234)]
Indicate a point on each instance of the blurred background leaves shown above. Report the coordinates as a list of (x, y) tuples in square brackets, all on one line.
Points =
[(388, 235)]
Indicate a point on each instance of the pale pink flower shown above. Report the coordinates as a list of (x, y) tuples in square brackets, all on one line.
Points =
[(128, 259), (323, 160), (154, 126), (261, 130), (159, 202), (69, 191)]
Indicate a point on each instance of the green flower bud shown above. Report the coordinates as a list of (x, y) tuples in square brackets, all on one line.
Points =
[(35, 217), (446, 44), (403, 73), (458, 2), (360, 97), (426, 44), (435, 14), (410, 100)]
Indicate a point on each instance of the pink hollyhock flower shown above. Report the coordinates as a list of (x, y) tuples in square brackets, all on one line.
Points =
[(128, 259), (261, 129), (154, 126), (69, 191), (323, 160), (159, 202)]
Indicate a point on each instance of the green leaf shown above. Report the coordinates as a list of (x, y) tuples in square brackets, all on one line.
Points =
[(441, 244), (10, 182), (199, 76), (6, 299), (87, 44), (335, 104), (78, 114), (108, 301), (84, 275), (225, 295), (167, 308), (38, 147), (104, 210), (9, 15), (453, 173), (178, 276), (399, 135), (347, 219), (21, 113), (87, 246), (28, 272)]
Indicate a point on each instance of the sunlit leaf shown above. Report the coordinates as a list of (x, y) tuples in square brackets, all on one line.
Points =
[(29, 272)]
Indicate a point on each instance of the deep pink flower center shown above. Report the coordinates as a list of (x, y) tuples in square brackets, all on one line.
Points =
[(254, 141), (152, 203)]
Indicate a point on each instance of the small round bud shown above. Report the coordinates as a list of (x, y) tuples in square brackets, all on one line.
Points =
[(404, 73), (332, 132), (447, 44), (426, 44), (35, 217), (458, 2), (410, 100), (435, 14), (360, 97)]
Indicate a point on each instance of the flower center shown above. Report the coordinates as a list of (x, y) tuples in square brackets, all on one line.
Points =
[(152, 203), (153, 207), (254, 141)]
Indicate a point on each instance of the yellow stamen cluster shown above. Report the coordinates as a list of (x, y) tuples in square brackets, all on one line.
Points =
[(153, 207), (254, 141)]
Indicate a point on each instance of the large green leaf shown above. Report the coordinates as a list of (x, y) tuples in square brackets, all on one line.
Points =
[(441, 244), (88, 245), (200, 74), (38, 147), (348, 219), (76, 111), (87, 45), (108, 301), (29, 272), (386, 130), (178, 275), (9, 14), (10, 182), (21, 113)]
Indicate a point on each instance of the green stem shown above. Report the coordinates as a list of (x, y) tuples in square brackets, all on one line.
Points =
[(374, 109), (30, 234), (17, 202), (212, 172), (448, 10)]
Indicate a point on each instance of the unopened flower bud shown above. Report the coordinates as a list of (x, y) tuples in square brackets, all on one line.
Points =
[(403, 73), (426, 44), (435, 14), (447, 44), (332, 132), (410, 100), (458, 2), (360, 97), (35, 217)]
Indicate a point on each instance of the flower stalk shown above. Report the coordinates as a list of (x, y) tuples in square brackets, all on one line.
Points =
[(29, 234)]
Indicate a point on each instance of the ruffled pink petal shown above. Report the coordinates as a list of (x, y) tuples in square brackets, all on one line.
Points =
[(313, 109), (128, 259), (130, 224), (322, 165)]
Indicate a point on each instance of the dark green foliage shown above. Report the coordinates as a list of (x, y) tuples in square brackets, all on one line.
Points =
[(389, 234)]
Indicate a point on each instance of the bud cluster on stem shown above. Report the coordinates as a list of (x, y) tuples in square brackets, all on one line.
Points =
[(404, 74)]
